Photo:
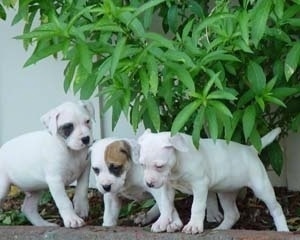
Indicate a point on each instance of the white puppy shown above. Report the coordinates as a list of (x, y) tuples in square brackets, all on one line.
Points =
[(52, 159), (218, 166), (114, 162)]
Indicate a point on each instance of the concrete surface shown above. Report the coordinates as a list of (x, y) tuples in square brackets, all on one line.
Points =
[(131, 233)]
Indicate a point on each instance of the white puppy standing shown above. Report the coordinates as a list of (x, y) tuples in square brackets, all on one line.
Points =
[(114, 162), (52, 159), (218, 166)]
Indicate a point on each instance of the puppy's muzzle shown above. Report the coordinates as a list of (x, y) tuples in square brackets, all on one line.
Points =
[(107, 187), (150, 184), (86, 140)]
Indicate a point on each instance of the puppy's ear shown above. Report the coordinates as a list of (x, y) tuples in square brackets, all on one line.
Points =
[(88, 106), (146, 132), (179, 143), (49, 119), (135, 150)]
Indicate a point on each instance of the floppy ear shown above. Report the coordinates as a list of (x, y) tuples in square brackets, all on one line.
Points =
[(49, 119), (179, 143), (146, 132), (88, 106), (135, 150)]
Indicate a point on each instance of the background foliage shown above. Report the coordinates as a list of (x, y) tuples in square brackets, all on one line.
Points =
[(227, 69)]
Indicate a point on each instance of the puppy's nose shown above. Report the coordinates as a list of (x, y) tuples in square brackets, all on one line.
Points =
[(85, 140), (150, 185), (107, 187)]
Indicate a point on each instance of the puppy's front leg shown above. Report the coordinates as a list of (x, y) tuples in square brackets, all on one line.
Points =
[(169, 219), (195, 225), (80, 200), (112, 206), (63, 203)]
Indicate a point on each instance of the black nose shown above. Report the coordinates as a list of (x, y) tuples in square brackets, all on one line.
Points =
[(107, 187), (150, 185), (85, 140)]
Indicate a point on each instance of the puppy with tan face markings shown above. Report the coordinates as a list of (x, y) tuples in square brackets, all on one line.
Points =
[(114, 162), (220, 166), (53, 159)]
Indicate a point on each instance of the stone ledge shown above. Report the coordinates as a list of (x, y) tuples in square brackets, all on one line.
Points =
[(131, 233)]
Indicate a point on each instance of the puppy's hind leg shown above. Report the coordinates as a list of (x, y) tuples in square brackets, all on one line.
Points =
[(266, 193), (231, 212), (4, 188), (30, 209), (145, 218)]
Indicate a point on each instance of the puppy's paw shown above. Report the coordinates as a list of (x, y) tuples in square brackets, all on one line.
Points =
[(214, 215), (71, 220), (160, 225), (141, 219), (193, 228), (81, 207), (175, 226)]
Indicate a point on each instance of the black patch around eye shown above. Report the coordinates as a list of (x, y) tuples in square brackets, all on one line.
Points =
[(115, 169), (66, 130), (96, 170)]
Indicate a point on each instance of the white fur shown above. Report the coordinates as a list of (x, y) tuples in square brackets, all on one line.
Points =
[(218, 166), (43, 159), (131, 185)]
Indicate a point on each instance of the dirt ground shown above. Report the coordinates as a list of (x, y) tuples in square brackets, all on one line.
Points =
[(254, 214)]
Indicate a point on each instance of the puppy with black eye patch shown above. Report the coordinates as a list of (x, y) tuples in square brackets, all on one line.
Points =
[(114, 162)]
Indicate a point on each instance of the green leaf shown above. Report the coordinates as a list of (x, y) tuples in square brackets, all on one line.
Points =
[(85, 56), (172, 18), (274, 100), (160, 40), (117, 55), (114, 97), (212, 122), (144, 81), (218, 55), (183, 75), (80, 78), (220, 107), (197, 126), (153, 111), (43, 52), (256, 77), (276, 157), (153, 74), (292, 60), (244, 26), (88, 88), (259, 18), (69, 73), (135, 114), (255, 139), (103, 70), (146, 6), (284, 92), (219, 94), (248, 120), (2, 12), (116, 112), (184, 115), (177, 56)]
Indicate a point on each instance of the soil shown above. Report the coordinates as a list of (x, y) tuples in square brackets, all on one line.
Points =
[(254, 214)]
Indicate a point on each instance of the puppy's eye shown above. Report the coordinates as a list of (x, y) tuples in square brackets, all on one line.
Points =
[(88, 121), (115, 169), (159, 167), (66, 130), (96, 170)]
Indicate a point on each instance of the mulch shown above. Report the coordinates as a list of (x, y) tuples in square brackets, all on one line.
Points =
[(254, 214)]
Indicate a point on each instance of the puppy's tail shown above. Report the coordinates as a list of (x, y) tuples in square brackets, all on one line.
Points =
[(269, 137)]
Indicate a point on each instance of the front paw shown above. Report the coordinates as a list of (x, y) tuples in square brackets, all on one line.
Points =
[(214, 215), (71, 220), (174, 226), (81, 207), (160, 225), (141, 219), (193, 227)]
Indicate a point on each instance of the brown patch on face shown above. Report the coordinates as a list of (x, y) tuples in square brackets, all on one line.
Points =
[(117, 156)]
